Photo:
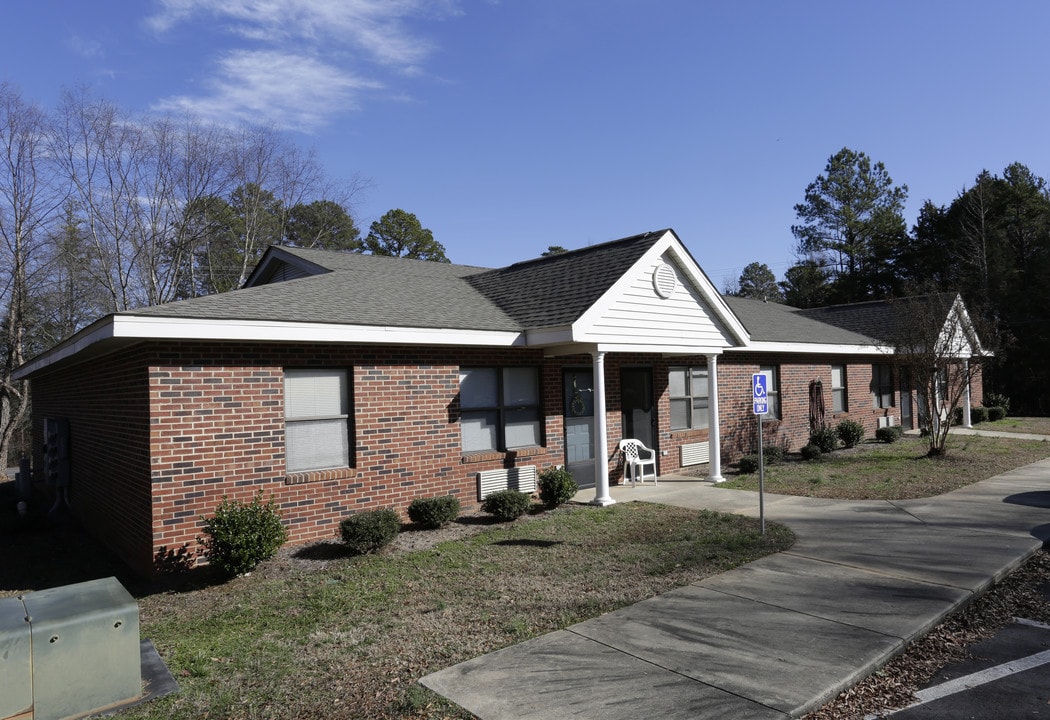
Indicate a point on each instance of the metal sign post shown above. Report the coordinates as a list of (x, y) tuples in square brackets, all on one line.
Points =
[(760, 406)]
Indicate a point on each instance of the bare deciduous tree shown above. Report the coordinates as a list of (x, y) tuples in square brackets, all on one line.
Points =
[(27, 203), (936, 343)]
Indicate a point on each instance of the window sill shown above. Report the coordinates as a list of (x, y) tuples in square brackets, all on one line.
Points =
[(311, 476), (508, 455)]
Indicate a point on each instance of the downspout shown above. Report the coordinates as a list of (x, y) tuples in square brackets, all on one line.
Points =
[(713, 438), (601, 444)]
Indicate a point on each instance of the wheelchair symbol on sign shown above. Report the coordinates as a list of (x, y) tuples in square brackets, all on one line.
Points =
[(760, 387)]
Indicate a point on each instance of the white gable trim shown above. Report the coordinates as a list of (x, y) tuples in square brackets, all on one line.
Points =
[(733, 333)]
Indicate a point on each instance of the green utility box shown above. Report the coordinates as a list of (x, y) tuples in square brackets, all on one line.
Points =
[(84, 651), (16, 657)]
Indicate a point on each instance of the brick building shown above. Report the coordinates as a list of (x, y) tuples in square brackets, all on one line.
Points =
[(337, 382)]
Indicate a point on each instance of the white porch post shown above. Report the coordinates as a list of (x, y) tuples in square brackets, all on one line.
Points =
[(966, 421), (715, 451), (601, 443)]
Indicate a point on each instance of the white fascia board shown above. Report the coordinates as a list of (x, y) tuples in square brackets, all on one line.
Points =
[(660, 349), (668, 242), (164, 328), (96, 332), (543, 337), (812, 348), (143, 327)]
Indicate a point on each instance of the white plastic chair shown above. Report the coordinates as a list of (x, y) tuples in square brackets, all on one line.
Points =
[(636, 457)]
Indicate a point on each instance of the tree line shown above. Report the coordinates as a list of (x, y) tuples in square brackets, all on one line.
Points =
[(103, 211), (991, 244)]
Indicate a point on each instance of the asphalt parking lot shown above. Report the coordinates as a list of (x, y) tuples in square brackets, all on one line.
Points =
[(1007, 676)]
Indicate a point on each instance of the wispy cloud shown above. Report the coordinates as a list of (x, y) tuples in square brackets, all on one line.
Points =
[(296, 63)]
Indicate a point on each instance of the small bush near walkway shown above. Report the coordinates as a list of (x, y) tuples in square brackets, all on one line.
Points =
[(557, 486), (824, 438), (507, 505), (850, 432), (366, 532), (239, 535), (434, 512)]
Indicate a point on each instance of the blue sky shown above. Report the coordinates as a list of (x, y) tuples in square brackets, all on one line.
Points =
[(508, 126)]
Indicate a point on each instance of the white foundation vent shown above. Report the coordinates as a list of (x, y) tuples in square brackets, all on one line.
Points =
[(695, 454), (522, 479)]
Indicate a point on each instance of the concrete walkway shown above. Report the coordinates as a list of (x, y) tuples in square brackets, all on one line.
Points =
[(780, 636)]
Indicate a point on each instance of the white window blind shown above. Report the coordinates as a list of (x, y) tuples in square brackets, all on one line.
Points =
[(316, 413)]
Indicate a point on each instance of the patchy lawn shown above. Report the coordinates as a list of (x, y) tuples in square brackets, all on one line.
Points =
[(1033, 425), (898, 471), (314, 633)]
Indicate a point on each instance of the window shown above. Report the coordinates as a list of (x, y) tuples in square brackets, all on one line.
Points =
[(772, 390), (690, 397), (882, 385), (500, 408), (316, 420), (838, 389)]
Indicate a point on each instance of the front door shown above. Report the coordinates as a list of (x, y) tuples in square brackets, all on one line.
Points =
[(906, 411), (636, 404), (578, 392)]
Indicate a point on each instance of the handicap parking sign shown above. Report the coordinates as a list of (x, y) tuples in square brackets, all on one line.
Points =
[(760, 399)]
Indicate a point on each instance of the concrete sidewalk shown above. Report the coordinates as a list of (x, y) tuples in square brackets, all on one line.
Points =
[(780, 636)]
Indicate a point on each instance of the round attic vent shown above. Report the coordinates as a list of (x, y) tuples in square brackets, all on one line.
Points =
[(665, 281)]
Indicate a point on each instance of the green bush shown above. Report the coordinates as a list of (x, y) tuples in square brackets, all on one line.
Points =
[(889, 434), (507, 505), (996, 413), (748, 464), (368, 531), (850, 432), (997, 400), (824, 438), (434, 512), (239, 535), (978, 414), (810, 452), (557, 486), (957, 416), (772, 454)]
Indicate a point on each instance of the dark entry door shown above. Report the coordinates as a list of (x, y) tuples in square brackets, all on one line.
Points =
[(578, 392), (636, 403), (906, 410)]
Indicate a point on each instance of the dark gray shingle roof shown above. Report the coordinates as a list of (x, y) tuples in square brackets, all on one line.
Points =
[(877, 318), (377, 290), (359, 290), (557, 290), (773, 322)]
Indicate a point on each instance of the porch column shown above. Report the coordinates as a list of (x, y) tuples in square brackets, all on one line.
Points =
[(966, 421), (601, 443), (715, 450)]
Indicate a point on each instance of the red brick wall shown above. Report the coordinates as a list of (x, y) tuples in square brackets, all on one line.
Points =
[(107, 406), (162, 431), (739, 426)]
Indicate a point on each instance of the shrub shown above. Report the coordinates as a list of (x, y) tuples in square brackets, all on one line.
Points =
[(241, 535), (889, 434), (824, 438), (507, 505), (368, 531), (772, 454), (434, 512), (748, 464), (957, 416), (850, 432), (810, 452), (997, 400), (978, 414), (996, 413), (557, 486)]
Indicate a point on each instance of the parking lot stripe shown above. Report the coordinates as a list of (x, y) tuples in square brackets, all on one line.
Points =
[(984, 676)]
